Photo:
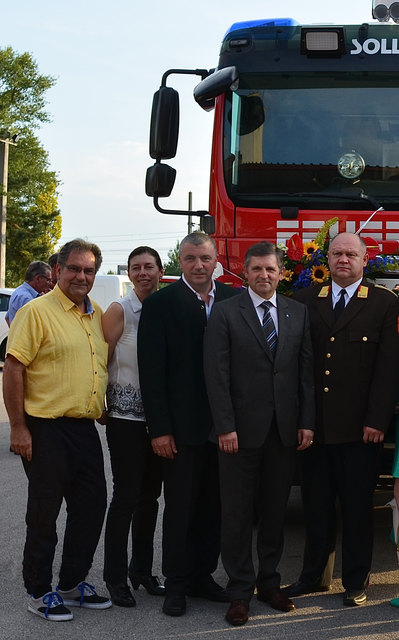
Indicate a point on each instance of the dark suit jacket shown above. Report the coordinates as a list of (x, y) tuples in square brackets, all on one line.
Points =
[(246, 388), (170, 356), (356, 362)]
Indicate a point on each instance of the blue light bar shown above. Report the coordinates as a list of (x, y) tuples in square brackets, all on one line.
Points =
[(251, 24)]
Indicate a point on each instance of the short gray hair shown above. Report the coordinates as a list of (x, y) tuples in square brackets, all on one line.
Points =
[(197, 238), (36, 268), (264, 249)]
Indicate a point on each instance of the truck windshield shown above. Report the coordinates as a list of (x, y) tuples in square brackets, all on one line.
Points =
[(305, 134)]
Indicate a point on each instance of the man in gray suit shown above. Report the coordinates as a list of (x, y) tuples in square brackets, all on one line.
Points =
[(259, 376)]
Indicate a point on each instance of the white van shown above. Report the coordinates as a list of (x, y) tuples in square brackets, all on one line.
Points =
[(107, 289), (5, 295)]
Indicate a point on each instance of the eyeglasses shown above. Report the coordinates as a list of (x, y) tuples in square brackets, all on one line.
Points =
[(73, 268), (48, 280)]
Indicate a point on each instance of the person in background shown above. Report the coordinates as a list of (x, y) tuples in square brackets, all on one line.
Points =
[(53, 266), (37, 281), (58, 337), (135, 467), (170, 351)]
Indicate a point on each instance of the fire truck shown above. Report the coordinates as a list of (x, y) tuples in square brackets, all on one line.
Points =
[(306, 128)]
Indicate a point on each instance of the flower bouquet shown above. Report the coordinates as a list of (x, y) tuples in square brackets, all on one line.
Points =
[(307, 263)]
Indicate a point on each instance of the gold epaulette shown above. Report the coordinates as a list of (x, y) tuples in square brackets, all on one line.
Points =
[(382, 286)]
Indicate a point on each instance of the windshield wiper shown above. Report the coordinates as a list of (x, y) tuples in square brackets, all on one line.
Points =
[(341, 196)]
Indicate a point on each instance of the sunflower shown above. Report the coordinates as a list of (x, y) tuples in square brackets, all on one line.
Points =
[(319, 273), (288, 275), (309, 248)]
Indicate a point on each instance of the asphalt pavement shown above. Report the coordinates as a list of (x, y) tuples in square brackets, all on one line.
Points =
[(318, 617)]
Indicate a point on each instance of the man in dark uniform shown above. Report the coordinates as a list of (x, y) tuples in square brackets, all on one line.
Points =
[(355, 343), (170, 354)]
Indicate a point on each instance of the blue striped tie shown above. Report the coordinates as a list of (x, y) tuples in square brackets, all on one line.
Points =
[(269, 328)]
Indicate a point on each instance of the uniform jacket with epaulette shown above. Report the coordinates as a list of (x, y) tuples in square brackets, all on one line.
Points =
[(356, 361)]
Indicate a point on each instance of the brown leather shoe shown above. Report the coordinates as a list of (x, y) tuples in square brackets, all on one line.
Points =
[(277, 599), (237, 613)]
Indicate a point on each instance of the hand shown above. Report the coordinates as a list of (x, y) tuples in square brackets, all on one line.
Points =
[(21, 441), (305, 439), (228, 442), (372, 435), (164, 446)]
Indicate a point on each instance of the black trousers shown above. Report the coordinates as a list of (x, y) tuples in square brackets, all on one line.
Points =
[(346, 472), (137, 485), (191, 522), (263, 475), (67, 463)]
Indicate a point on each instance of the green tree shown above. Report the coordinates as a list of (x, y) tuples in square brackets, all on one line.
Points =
[(172, 267), (33, 217), (22, 89)]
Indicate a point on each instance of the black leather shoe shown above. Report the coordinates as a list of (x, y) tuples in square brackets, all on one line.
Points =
[(208, 589), (301, 588), (174, 604), (121, 595), (237, 613), (152, 584), (277, 599), (355, 597)]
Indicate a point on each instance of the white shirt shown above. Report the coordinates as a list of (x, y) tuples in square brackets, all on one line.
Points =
[(258, 300), (211, 295), (350, 291)]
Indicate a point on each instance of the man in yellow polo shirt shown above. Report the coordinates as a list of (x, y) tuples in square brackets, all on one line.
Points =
[(54, 383)]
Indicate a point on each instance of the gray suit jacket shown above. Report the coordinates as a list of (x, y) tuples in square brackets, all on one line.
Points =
[(246, 387)]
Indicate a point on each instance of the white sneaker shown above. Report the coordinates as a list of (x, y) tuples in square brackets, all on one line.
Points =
[(50, 606), (84, 595)]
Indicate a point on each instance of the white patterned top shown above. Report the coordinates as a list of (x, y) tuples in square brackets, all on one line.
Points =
[(123, 391)]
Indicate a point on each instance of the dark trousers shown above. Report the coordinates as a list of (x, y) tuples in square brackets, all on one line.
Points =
[(346, 472), (67, 462), (191, 522), (263, 474), (137, 485)]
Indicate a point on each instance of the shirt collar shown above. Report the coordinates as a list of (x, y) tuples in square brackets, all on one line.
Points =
[(136, 302), (211, 293), (67, 303), (257, 300), (31, 289), (350, 289)]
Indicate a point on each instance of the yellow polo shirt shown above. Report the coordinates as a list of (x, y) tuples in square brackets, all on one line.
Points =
[(65, 356)]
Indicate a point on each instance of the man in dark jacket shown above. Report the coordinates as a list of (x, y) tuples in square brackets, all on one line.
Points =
[(355, 344), (259, 375), (170, 354)]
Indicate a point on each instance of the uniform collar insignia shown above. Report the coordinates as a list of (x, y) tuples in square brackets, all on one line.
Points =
[(362, 291), (324, 291)]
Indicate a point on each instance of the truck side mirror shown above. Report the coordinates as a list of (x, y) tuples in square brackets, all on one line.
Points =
[(214, 85), (159, 180), (164, 132), (207, 224)]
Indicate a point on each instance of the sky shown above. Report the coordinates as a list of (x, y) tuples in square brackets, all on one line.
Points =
[(108, 59)]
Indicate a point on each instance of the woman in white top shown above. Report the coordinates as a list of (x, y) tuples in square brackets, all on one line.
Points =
[(135, 468)]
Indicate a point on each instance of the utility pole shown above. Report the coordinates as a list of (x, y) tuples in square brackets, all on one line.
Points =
[(190, 223), (4, 151)]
